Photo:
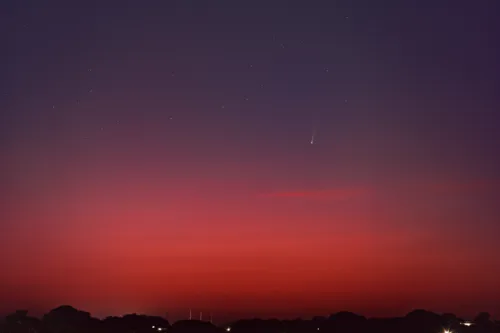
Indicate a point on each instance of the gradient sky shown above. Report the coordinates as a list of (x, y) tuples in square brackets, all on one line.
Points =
[(156, 156)]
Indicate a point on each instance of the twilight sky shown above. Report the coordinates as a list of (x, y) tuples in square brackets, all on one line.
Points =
[(157, 156)]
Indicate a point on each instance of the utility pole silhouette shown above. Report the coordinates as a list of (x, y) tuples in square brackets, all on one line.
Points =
[(190, 315)]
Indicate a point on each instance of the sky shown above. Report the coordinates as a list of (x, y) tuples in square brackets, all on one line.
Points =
[(250, 158)]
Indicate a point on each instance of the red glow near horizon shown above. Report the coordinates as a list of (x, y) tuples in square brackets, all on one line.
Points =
[(122, 249)]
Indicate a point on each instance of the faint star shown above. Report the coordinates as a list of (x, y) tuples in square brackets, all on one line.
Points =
[(102, 129), (90, 90), (345, 100), (326, 70), (282, 46), (53, 106), (347, 17), (223, 107), (90, 69)]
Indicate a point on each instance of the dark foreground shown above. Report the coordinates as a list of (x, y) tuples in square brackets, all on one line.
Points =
[(66, 319)]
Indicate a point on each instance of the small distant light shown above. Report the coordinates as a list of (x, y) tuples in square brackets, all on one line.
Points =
[(228, 329), (153, 326), (317, 329), (160, 329), (467, 323), (447, 331)]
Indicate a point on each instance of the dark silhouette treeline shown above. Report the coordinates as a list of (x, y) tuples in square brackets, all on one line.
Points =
[(66, 319)]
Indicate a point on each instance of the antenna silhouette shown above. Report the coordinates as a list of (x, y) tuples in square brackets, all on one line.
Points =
[(201, 316), (210, 317), (190, 315)]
